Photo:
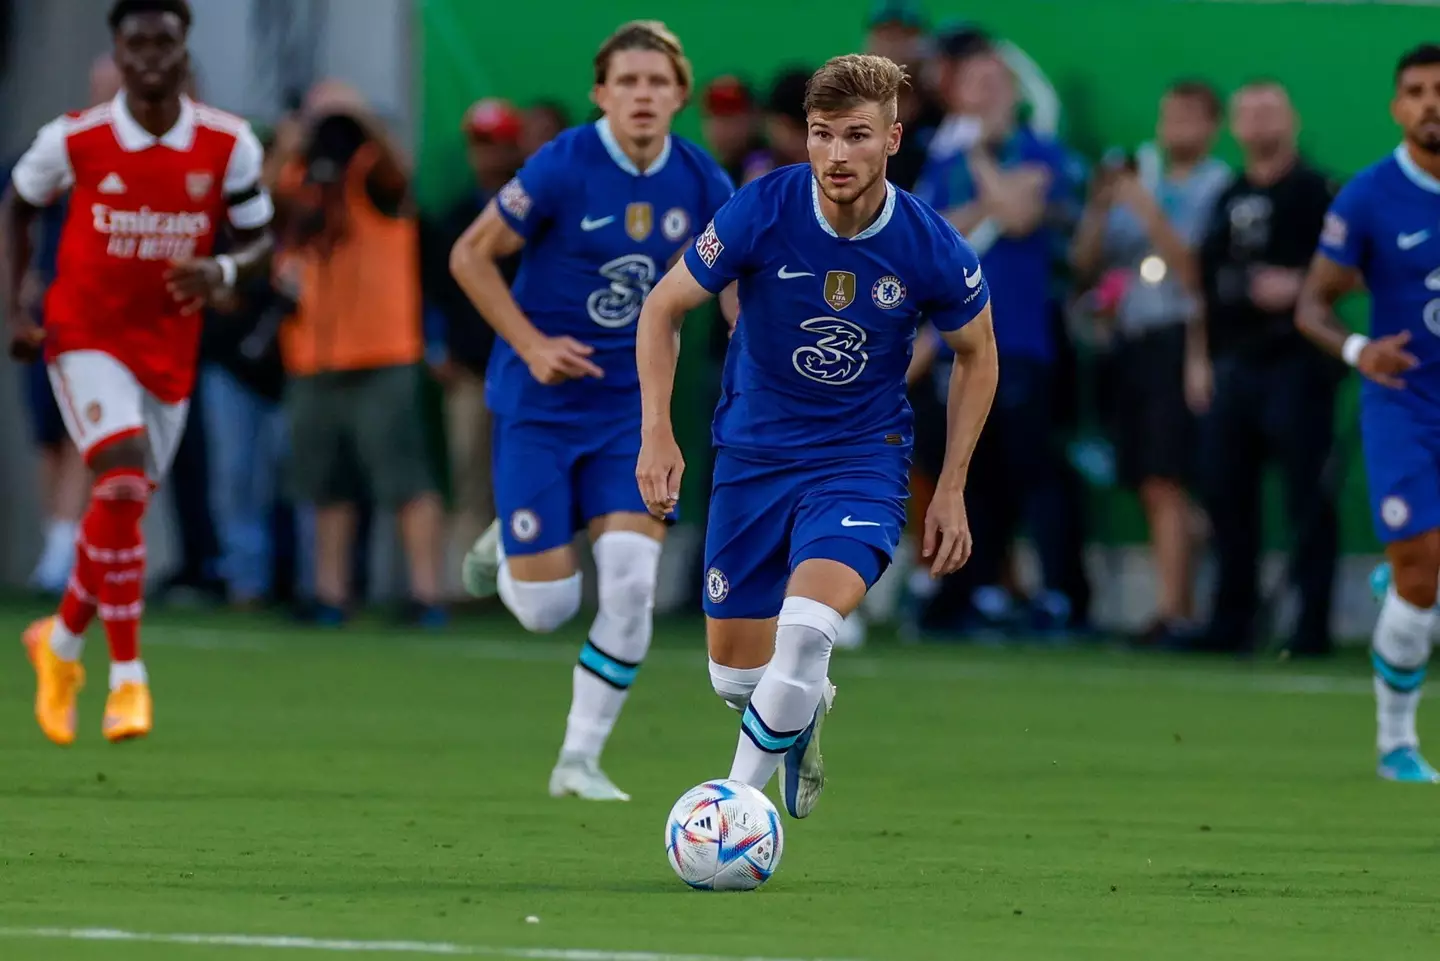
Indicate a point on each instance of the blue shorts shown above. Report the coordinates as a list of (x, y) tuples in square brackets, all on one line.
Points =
[(1402, 465), (46, 427), (551, 480), (767, 516)]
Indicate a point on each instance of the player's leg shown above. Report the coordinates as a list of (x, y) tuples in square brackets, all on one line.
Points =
[(63, 483), (534, 569), (1405, 499)]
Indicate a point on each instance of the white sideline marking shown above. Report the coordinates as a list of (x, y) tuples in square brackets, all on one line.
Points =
[(924, 668), (345, 946)]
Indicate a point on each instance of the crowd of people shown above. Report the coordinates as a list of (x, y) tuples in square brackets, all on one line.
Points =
[(1179, 273)]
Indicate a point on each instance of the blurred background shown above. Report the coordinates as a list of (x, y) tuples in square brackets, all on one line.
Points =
[(1071, 489)]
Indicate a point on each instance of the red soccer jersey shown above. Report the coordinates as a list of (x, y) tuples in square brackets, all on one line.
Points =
[(137, 203)]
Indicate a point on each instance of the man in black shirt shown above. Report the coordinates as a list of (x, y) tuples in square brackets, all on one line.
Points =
[(1268, 394)]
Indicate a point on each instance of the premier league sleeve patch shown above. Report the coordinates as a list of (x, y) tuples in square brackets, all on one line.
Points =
[(514, 200), (708, 246)]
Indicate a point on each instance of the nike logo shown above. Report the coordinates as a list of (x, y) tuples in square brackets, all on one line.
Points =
[(1408, 241), (971, 282), (588, 225), (787, 274), (846, 521)]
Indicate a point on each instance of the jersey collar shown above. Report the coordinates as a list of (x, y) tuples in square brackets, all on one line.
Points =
[(134, 137), (885, 213), (1412, 171), (612, 147)]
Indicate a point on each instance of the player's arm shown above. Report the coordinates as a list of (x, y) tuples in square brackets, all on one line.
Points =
[(25, 336), (657, 354), (1383, 360)]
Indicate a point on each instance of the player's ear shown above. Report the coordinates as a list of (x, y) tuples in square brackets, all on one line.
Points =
[(892, 144)]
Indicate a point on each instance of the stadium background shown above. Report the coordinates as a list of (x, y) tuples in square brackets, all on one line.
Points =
[(1106, 58)]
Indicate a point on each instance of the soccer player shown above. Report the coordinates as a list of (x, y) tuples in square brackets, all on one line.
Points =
[(600, 212), (152, 176), (836, 269), (1383, 230)]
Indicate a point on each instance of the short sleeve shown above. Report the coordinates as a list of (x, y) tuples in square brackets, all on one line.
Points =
[(245, 194), (532, 197), (1343, 237), (961, 291), (722, 251), (44, 172)]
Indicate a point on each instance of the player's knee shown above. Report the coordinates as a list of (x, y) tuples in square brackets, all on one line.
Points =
[(123, 454), (806, 630), (540, 606), (627, 565), (1415, 567), (735, 685)]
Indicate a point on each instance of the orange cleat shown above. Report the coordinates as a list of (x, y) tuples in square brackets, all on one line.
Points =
[(128, 712), (57, 683)]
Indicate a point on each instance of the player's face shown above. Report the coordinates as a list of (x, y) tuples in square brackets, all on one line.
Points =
[(640, 95), (1262, 120), (1416, 107), (848, 150), (150, 52), (1186, 129)]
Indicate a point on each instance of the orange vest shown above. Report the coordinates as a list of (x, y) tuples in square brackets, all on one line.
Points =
[(360, 305)]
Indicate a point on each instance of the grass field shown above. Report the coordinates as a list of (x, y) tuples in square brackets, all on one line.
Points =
[(370, 786)]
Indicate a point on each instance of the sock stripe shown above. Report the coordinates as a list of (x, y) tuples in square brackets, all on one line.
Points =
[(1399, 679), (613, 671), (763, 736)]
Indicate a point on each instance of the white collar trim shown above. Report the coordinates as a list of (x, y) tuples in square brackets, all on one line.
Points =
[(612, 147), (1412, 170), (134, 138), (886, 213)]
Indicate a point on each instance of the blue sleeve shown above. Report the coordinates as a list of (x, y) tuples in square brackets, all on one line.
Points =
[(722, 251), (961, 291), (1343, 239), (533, 197)]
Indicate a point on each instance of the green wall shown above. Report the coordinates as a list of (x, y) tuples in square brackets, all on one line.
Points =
[(1109, 60)]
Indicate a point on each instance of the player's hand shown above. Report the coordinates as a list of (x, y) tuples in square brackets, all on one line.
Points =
[(557, 359), (947, 532), (193, 282), (659, 470), (1384, 359), (27, 338)]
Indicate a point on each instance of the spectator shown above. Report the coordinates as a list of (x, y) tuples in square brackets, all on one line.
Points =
[(1140, 230), (732, 124), (1000, 188), (243, 383), (542, 123), (786, 129), (896, 29), (1269, 393), (458, 338), (353, 350)]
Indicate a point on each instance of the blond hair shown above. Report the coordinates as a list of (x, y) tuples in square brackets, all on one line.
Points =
[(856, 78), (646, 35)]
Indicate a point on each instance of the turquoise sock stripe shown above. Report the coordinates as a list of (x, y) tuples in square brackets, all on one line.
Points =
[(1399, 679), (613, 671), (763, 736)]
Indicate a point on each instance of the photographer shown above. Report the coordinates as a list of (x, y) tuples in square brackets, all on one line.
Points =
[(1267, 391), (353, 348)]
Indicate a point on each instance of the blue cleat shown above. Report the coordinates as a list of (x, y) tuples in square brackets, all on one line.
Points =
[(1404, 764), (803, 769), (1380, 579)]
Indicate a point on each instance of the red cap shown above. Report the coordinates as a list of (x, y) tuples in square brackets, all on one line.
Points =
[(727, 96), (493, 119)]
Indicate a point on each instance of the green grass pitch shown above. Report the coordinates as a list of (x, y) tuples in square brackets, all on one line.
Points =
[(1017, 805)]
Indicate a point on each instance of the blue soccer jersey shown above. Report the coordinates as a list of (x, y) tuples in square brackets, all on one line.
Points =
[(813, 428), (598, 234), (1386, 224)]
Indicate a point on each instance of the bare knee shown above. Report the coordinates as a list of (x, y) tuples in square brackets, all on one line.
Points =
[(1415, 567), (127, 453)]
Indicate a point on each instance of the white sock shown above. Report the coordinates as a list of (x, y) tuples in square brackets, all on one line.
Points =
[(785, 701), (67, 646), (626, 566), (127, 672), (735, 685), (1399, 652)]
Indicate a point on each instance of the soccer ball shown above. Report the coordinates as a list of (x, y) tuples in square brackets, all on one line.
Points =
[(724, 836)]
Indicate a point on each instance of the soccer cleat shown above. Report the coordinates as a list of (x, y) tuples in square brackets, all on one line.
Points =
[(57, 683), (577, 777), (1404, 764), (1380, 581), (128, 712), (803, 769), (481, 566)]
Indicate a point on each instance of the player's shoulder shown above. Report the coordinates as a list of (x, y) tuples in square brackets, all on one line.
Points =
[(698, 159), (221, 121), (920, 218), (77, 122), (580, 144), (1382, 177), (782, 184)]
